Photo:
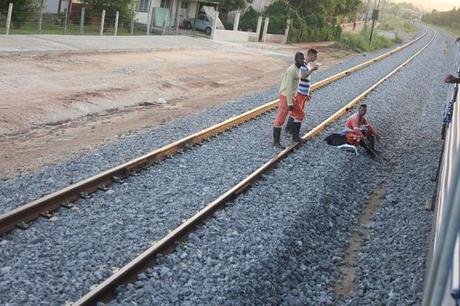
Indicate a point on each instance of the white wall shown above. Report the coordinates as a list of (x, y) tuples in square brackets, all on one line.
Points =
[(275, 38), (51, 6), (234, 36), (141, 17)]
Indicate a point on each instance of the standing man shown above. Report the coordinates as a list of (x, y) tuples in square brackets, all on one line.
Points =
[(287, 96), (302, 96)]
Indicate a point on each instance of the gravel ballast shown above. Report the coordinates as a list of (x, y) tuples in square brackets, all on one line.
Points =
[(282, 241), (60, 260), (30, 186)]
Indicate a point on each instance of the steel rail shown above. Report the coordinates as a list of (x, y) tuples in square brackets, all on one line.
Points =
[(105, 290), (44, 206)]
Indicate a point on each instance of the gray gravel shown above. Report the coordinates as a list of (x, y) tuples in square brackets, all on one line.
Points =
[(280, 243), (27, 187), (59, 260)]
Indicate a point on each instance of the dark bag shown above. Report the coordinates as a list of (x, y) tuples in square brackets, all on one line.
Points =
[(335, 140)]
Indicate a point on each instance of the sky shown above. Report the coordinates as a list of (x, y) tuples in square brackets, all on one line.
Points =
[(440, 5)]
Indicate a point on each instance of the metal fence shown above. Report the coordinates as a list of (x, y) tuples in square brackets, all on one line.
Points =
[(442, 285), (81, 20)]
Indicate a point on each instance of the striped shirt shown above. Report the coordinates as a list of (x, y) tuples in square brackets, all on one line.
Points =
[(304, 84)]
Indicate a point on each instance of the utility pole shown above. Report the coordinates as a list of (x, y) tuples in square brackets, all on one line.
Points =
[(367, 12), (375, 16)]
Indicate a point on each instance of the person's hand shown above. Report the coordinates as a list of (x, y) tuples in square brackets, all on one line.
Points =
[(314, 66), (449, 79), (365, 141)]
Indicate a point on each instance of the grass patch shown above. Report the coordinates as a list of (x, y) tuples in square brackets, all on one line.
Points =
[(359, 42), (452, 30), (395, 23)]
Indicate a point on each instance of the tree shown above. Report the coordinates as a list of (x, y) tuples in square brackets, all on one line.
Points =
[(124, 7), (23, 10), (226, 6)]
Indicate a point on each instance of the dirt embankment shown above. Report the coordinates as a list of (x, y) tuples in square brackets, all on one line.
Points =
[(55, 106)]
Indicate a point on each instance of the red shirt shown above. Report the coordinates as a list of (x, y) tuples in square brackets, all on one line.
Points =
[(357, 124)]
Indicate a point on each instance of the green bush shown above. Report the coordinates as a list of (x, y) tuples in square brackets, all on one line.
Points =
[(303, 28), (22, 10), (249, 20), (360, 42), (124, 7)]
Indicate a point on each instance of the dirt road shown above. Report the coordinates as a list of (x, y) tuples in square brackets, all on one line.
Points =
[(58, 105)]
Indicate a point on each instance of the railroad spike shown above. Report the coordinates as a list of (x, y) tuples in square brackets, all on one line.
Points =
[(84, 195), (23, 225), (47, 214), (118, 180), (103, 188), (67, 205)]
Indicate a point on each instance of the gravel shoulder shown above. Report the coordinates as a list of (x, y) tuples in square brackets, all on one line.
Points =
[(304, 208), (283, 241), (26, 187)]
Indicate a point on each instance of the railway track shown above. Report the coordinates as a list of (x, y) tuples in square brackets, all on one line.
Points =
[(45, 206), (105, 290)]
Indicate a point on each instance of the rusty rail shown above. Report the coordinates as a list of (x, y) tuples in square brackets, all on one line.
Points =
[(47, 204), (105, 290)]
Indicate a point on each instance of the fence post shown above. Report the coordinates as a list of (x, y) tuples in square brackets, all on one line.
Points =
[(286, 32), (117, 15), (264, 33), (82, 21), (66, 17), (8, 18), (40, 19), (236, 22), (131, 28), (164, 26), (101, 30), (259, 26), (214, 25), (176, 17), (149, 17)]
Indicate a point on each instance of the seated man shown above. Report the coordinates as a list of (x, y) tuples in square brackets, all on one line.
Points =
[(359, 131)]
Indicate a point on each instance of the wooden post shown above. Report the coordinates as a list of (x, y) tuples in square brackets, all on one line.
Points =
[(286, 32), (66, 16), (117, 15), (101, 30), (8, 18), (163, 32), (264, 33), (236, 22), (82, 21), (176, 17), (214, 25), (259, 26), (131, 28), (149, 16), (40, 19)]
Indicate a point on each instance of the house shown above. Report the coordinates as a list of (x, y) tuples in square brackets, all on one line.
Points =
[(167, 10)]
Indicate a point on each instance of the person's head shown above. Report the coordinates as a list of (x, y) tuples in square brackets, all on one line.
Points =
[(312, 54), (362, 110), (299, 59)]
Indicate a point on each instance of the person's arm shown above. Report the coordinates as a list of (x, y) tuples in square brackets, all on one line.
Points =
[(356, 129), (373, 131), (451, 79), (308, 72)]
